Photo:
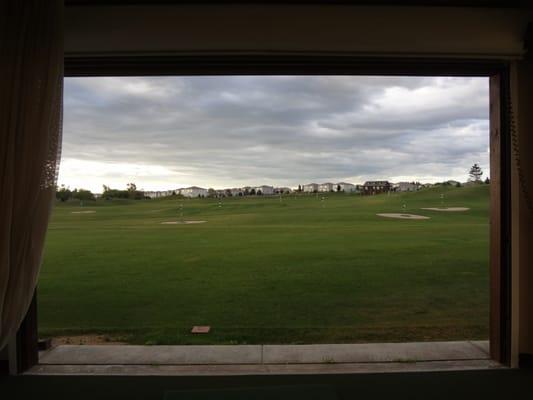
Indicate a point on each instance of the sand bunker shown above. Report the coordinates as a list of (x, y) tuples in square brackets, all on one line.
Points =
[(182, 222), (83, 212), (402, 216), (448, 209)]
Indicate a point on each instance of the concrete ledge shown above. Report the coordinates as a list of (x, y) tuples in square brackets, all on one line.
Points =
[(265, 354), (371, 353), (147, 355), (262, 369)]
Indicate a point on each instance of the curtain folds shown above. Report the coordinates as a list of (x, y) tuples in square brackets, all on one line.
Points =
[(31, 88)]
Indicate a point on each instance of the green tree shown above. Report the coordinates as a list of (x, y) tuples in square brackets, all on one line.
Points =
[(109, 193), (63, 193), (82, 194), (475, 173)]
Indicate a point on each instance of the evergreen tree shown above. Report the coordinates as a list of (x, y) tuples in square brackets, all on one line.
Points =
[(475, 173)]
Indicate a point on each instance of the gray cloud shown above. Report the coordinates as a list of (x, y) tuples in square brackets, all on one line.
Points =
[(232, 131)]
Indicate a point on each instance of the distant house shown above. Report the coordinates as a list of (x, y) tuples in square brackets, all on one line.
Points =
[(264, 190), (193, 191), (346, 187), (152, 194), (407, 187), (326, 187), (310, 188), (375, 187), (237, 192), (282, 190), (159, 193)]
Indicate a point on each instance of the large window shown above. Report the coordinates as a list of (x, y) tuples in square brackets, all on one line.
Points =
[(270, 209)]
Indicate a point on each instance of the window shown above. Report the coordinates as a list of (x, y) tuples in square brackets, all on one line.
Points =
[(188, 144)]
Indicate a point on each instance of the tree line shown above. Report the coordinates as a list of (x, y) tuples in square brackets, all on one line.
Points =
[(64, 193)]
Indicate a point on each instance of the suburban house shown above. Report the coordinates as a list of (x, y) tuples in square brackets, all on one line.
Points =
[(327, 187), (159, 193), (375, 187), (193, 191), (346, 187), (407, 186), (264, 190), (310, 188), (236, 191)]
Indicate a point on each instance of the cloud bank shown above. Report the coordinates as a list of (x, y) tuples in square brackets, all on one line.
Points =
[(170, 132)]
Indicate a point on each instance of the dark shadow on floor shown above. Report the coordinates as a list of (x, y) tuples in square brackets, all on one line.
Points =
[(503, 384)]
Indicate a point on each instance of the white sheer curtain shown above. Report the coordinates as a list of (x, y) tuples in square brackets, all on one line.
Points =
[(31, 79)]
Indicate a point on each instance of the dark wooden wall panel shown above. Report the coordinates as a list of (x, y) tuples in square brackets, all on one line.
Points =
[(495, 219)]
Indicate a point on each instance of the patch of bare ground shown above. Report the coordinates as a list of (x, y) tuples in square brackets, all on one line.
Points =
[(182, 222), (402, 216), (86, 340), (447, 209)]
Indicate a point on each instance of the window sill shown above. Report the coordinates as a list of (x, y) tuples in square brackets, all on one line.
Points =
[(264, 359)]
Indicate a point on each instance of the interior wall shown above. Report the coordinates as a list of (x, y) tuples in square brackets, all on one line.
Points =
[(436, 31)]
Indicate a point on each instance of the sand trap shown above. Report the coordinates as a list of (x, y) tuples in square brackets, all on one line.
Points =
[(402, 216), (448, 209), (83, 212), (182, 222)]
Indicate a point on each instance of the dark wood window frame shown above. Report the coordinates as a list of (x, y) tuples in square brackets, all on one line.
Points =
[(295, 63)]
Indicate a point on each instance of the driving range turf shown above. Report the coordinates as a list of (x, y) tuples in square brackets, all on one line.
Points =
[(304, 269)]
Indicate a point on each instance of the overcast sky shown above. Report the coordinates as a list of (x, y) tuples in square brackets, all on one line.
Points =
[(171, 132)]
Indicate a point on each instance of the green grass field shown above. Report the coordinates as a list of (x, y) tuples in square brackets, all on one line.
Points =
[(261, 270)]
